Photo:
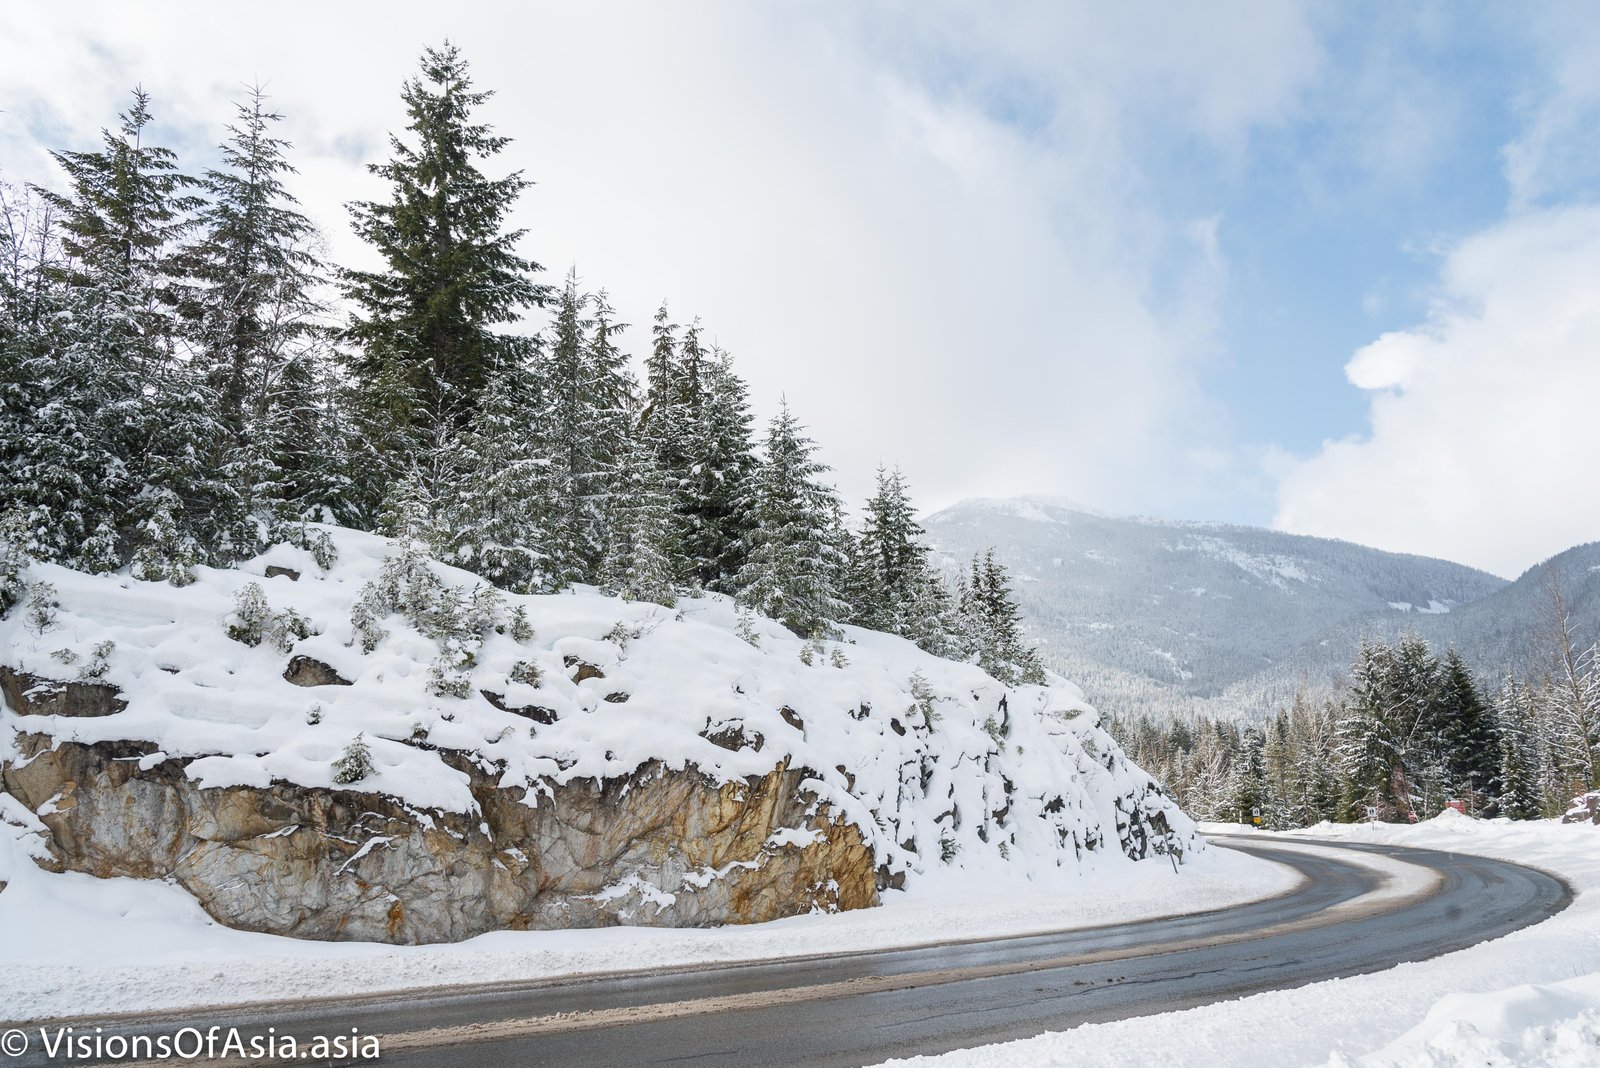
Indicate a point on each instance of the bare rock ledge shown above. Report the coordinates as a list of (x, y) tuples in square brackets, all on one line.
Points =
[(656, 847)]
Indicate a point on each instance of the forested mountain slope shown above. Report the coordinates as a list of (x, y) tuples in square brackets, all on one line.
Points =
[(1155, 612), (1512, 630)]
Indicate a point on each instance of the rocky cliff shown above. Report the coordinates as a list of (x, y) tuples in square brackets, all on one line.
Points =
[(339, 864), (571, 762)]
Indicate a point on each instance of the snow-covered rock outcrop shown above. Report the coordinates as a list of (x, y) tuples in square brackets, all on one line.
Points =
[(529, 762)]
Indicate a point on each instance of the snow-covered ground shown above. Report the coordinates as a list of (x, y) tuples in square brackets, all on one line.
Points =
[(863, 713), (1530, 998), (1043, 788), (72, 945)]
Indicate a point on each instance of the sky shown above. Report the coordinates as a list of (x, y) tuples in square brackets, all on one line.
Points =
[(1333, 268)]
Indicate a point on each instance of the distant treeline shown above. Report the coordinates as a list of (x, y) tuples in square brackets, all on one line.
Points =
[(1412, 731)]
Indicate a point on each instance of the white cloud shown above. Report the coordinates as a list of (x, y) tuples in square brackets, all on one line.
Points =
[(926, 226), (1482, 442), (1558, 146)]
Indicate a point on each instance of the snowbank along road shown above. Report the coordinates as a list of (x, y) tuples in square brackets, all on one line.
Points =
[(1359, 909)]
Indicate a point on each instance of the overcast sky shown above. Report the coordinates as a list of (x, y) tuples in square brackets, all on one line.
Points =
[(1331, 268)]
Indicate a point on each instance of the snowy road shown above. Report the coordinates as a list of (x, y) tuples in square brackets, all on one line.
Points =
[(1345, 919)]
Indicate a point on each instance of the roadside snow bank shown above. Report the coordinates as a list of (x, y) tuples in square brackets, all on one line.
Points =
[(1556, 1025)]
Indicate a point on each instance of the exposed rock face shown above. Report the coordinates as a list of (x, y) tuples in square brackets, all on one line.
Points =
[(43, 697), (584, 671), (305, 671), (536, 713), (1584, 809), (657, 847), (733, 737)]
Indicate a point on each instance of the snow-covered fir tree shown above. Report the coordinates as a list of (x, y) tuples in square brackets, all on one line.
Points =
[(1368, 746), (493, 514), (990, 626), (190, 508), (610, 400), (789, 574), (898, 590), (589, 392), (638, 563), (1516, 736), (255, 270), (716, 496), (312, 442), (424, 324), (126, 209), (255, 319), (69, 399), (575, 538), (1468, 748), (672, 403)]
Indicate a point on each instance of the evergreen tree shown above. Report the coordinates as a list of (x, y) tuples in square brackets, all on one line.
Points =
[(638, 564), (610, 401), (673, 402), (255, 320), (901, 594), (789, 575), (1247, 779), (74, 409), (74, 414), (1369, 750), (575, 535), (860, 589), (720, 468), (1519, 788), (256, 272), (661, 368), (385, 439), (1281, 774), (312, 447), (127, 208), (424, 322), (190, 508), (1471, 750), (993, 628), (493, 514)]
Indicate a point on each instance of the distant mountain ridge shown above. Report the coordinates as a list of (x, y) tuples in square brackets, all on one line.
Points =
[(1171, 615)]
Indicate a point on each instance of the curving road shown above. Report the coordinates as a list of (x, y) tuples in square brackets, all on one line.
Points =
[(862, 1008)]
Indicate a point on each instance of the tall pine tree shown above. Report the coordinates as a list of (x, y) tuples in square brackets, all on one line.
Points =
[(127, 208), (1467, 738), (899, 592), (718, 485), (255, 320), (789, 574), (991, 625), (493, 513), (257, 271), (638, 563), (425, 322)]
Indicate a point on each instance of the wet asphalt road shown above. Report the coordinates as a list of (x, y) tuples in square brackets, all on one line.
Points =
[(939, 998)]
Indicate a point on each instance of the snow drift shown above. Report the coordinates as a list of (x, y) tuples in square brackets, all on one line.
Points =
[(344, 739)]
